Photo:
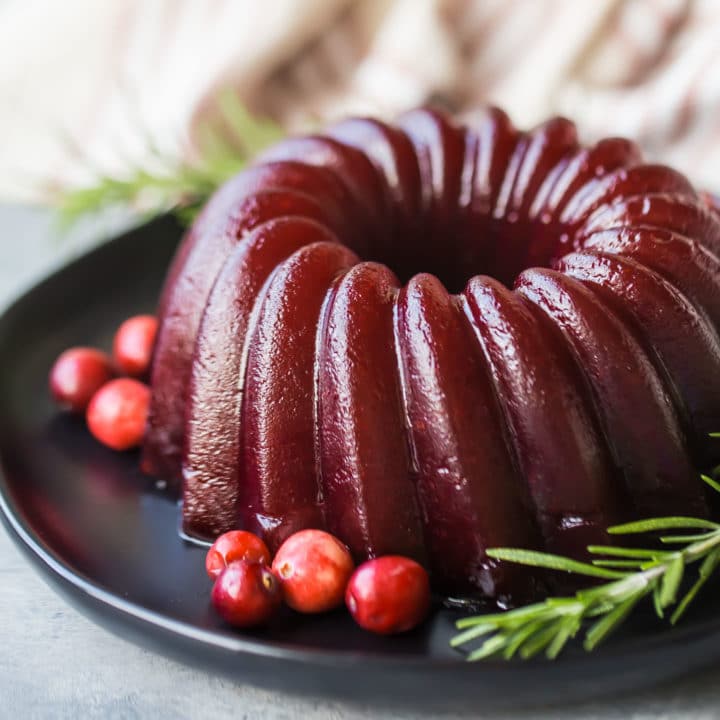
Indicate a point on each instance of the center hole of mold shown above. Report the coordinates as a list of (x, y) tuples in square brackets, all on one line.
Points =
[(475, 244)]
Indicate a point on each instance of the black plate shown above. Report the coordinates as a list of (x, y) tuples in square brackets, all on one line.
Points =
[(107, 537)]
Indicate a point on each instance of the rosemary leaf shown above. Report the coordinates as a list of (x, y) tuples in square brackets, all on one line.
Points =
[(707, 568), (683, 539), (518, 615), (552, 562), (657, 602), (490, 647), (617, 564), (603, 627), (472, 634), (566, 632), (714, 484), (632, 574), (170, 183), (623, 552), (662, 523), (671, 581), (518, 637), (541, 639)]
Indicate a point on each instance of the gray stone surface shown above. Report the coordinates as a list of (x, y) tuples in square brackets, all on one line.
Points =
[(56, 664)]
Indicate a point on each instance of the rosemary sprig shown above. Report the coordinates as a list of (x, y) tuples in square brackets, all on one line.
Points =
[(171, 184), (632, 573)]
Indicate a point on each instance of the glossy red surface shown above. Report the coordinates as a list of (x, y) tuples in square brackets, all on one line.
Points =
[(212, 448), (117, 413), (233, 546), (389, 595), (635, 407), (671, 213), (440, 148), (559, 445), (367, 489), (313, 567), (608, 191), (357, 173), (685, 262), (279, 492), (679, 334), (77, 374), (392, 153), (182, 306), (520, 395), (469, 489), (133, 345), (246, 594), (548, 148)]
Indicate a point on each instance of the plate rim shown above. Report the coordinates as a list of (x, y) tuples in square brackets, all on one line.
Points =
[(92, 594)]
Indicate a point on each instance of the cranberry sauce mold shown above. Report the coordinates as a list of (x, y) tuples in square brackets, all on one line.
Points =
[(433, 338)]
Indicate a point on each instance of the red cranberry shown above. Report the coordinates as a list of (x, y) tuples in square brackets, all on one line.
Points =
[(118, 412), (77, 375), (133, 344), (246, 594), (389, 594), (233, 546), (314, 568)]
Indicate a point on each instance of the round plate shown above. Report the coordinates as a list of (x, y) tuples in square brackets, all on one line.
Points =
[(107, 537)]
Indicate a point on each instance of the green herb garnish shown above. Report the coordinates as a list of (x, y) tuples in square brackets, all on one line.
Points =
[(632, 573), (173, 185)]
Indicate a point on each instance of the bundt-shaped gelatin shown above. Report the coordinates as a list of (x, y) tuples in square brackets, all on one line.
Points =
[(433, 338)]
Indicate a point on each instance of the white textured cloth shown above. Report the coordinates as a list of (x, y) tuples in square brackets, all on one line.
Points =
[(93, 84)]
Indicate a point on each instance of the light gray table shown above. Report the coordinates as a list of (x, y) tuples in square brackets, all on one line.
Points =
[(56, 664)]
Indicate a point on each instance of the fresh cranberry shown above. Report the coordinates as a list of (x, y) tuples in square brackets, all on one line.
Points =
[(77, 375), (233, 546), (389, 594), (314, 568), (118, 412), (246, 594), (133, 344)]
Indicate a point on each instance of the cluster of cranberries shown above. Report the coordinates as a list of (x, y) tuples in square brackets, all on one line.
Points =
[(109, 390), (313, 572)]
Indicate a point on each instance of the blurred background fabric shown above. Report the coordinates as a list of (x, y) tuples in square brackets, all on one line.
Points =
[(91, 86)]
